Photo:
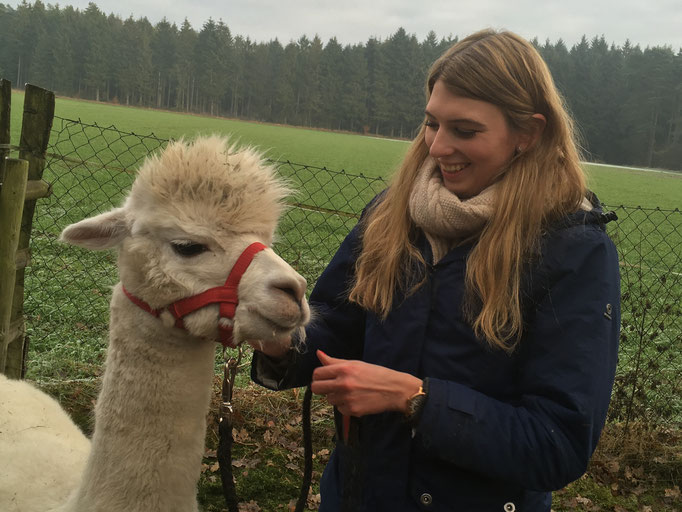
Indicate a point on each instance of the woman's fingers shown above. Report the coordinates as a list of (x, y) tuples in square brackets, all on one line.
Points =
[(323, 387)]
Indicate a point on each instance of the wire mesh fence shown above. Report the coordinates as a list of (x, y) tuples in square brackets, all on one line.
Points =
[(648, 386), (91, 168)]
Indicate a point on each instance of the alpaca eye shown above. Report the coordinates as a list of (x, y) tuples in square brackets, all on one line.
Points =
[(188, 249)]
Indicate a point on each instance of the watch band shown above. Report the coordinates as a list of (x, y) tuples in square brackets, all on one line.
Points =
[(415, 404)]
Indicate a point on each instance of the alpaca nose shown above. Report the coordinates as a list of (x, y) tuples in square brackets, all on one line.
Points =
[(294, 287)]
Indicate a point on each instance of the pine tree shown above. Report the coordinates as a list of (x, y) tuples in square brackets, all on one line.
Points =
[(378, 110), (183, 70), (164, 54)]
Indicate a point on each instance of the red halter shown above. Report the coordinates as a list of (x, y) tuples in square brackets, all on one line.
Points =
[(225, 295)]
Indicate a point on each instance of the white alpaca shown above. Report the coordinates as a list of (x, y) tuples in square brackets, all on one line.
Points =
[(190, 213)]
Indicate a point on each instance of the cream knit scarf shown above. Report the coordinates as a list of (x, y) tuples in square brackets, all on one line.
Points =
[(446, 220)]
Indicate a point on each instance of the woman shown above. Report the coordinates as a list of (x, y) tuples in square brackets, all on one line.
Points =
[(469, 323)]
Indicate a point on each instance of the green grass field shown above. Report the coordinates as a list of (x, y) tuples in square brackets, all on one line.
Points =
[(353, 153), (67, 289)]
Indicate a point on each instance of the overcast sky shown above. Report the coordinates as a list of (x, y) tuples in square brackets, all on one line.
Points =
[(643, 22)]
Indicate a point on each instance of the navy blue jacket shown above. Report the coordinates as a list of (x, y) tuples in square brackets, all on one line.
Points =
[(497, 431)]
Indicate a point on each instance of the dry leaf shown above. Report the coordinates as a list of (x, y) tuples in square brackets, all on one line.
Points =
[(241, 435), (639, 490), (612, 466), (251, 506), (583, 501), (314, 501), (246, 463), (673, 493), (269, 437)]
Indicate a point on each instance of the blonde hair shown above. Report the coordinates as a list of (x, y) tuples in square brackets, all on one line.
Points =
[(539, 186)]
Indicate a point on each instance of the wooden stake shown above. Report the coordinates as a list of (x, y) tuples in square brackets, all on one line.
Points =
[(12, 197)]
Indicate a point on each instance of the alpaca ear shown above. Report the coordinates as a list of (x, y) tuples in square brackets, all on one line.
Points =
[(101, 232)]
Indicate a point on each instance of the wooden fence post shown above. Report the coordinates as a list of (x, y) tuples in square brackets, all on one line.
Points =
[(5, 111), (35, 135), (12, 198)]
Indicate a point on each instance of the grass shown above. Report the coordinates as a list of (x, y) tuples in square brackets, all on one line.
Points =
[(636, 187), (356, 154), (353, 153), (67, 289)]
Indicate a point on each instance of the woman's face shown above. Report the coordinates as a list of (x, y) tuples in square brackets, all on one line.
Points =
[(470, 140)]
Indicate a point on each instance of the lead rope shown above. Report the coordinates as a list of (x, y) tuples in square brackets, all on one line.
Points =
[(225, 439), (307, 451)]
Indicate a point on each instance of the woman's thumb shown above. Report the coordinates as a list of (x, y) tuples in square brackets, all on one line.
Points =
[(325, 359)]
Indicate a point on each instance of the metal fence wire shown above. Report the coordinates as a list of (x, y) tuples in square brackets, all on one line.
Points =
[(91, 168)]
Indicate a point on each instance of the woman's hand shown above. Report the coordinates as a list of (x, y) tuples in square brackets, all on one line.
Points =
[(357, 388)]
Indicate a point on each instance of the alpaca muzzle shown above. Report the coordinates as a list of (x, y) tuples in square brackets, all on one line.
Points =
[(225, 296)]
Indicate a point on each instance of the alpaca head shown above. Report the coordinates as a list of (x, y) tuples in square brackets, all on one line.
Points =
[(191, 212)]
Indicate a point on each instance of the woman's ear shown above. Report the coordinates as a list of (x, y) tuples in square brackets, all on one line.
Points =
[(530, 137)]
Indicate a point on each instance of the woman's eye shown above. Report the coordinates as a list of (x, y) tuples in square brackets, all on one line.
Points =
[(188, 249), (460, 133), (465, 134)]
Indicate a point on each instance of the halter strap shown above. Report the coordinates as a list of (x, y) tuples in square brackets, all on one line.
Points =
[(225, 295), (141, 304)]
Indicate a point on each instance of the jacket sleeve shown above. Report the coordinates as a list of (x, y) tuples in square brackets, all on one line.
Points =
[(566, 365), (337, 325)]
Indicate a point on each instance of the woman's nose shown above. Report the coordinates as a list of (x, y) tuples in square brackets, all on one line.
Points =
[(441, 145)]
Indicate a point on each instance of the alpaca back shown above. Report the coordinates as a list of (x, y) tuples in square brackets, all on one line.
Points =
[(42, 452)]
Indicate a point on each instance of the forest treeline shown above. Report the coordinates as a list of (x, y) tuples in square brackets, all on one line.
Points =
[(627, 100)]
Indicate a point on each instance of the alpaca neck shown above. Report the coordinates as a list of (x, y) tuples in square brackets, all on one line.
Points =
[(150, 421)]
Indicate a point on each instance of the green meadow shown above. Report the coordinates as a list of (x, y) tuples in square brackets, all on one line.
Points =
[(352, 153), (356, 154)]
